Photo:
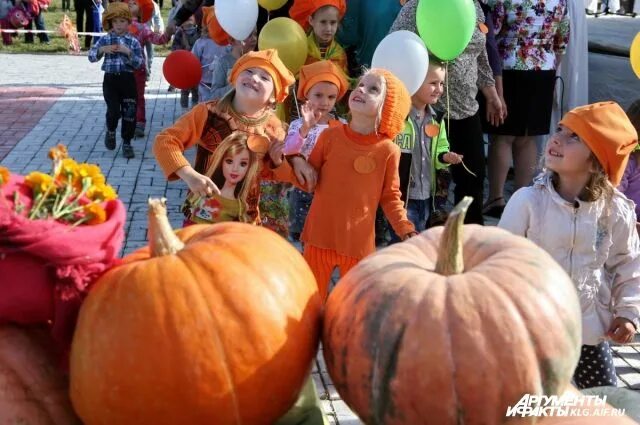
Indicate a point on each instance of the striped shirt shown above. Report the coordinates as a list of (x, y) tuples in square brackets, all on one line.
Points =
[(117, 62)]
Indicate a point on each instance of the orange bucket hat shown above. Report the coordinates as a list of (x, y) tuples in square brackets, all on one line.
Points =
[(606, 129), (301, 10), (321, 71), (215, 31), (115, 10), (269, 61), (146, 10), (397, 104)]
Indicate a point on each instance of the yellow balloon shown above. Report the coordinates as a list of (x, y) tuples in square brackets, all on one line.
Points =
[(288, 38), (272, 4), (634, 55)]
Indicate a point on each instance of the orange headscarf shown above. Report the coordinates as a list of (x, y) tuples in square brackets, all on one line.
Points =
[(397, 104), (215, 31), (146, 10), (321, 71), (301, 10), (269, 61)]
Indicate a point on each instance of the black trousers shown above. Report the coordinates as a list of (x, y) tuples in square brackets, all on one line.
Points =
[(119, 90), (83, 7), (465, 138)]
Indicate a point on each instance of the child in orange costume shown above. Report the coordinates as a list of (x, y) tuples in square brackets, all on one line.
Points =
[(323, 17), (260, 79), (358, 170)]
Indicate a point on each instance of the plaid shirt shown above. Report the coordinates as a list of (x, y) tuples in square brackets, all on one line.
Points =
[(117, 62)]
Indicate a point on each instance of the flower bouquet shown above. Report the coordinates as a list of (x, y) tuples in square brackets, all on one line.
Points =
[(58, 233)]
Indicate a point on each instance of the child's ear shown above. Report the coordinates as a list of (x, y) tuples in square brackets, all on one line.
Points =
[(310, 19)]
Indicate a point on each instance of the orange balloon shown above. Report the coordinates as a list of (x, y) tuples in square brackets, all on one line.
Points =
[(634, 55)]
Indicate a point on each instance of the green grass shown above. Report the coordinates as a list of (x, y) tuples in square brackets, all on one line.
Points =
[(52, 18)]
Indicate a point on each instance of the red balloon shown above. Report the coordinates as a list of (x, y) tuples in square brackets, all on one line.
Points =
[(182, 69)]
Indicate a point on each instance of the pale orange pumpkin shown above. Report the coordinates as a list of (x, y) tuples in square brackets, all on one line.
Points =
[(218, 325), (33, 390), (414, 336)]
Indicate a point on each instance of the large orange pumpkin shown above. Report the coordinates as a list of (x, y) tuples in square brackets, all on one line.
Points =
[(32, 388), (414, 336), (218, 325)]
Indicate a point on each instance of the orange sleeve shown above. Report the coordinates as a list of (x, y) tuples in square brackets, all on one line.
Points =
[(171, 142), (390, 201)]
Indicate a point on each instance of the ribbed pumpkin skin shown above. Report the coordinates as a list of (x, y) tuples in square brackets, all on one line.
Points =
[(32, 388), (405, 345), (223, 332)]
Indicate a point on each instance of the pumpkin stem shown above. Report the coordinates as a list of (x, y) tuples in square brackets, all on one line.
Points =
[(450, 259), (162, 239)]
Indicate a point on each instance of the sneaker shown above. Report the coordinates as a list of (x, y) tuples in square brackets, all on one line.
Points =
[(127, 150), (139, 132), (110, 140)]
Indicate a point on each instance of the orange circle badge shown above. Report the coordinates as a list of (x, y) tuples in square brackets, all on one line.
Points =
[(432, 130), (483, 28), (364, 165)]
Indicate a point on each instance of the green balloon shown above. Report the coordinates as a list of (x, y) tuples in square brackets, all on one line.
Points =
[(446, 26)]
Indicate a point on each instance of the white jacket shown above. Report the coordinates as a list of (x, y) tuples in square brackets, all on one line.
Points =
[(597, 246)]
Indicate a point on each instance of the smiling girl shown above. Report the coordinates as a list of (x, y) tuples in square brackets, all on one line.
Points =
[(358, 170), (260, 79), (574, 213)]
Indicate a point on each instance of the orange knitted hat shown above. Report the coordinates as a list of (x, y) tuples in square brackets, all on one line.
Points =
[(397, 104), (301, 10), (115, 10), (215, 31), (146, 10), (269, 61), (321, 71), (606, 129)]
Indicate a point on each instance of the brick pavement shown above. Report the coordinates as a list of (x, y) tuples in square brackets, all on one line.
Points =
[(77, 119)]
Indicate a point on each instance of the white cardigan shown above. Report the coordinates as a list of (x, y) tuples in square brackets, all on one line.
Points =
[(595, 242)]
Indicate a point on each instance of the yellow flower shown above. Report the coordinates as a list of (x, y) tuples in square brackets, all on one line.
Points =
[(96, 212), (58, 152), (39, 182), (101, 192), (69, 167), (4, 175)]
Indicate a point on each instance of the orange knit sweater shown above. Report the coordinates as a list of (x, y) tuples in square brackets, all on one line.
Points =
[(206, 126), (343, 211)]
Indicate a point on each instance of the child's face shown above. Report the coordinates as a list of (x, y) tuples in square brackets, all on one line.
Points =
[(566, 154), (368, 96), (322, 97), (432, 87), (254, 85), (120, 25), (325, 23), (235, 167), (133, 7)]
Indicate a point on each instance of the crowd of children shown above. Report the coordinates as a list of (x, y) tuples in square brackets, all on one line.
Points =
[(334, 170)]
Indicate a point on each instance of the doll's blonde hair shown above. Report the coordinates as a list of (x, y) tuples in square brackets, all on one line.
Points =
[(230, 146)]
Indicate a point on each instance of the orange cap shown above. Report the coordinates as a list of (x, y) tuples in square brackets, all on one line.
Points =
[(606, 129), (269, 61), (301, 10), (215, 31), (115, 10), (397, 103), (146, 10), (321, 71)]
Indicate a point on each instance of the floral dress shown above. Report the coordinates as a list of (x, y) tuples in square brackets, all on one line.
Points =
[(530, 33)]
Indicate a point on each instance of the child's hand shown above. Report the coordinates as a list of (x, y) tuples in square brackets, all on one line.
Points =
[(309, 117), (121, 48), (305, 173), (107, 49), (452, 158), (198, 184), (276, 152), (621, 330), (409, 235)]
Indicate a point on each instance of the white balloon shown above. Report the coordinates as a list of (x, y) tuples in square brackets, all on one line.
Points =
[(237, 17), (405, 55)]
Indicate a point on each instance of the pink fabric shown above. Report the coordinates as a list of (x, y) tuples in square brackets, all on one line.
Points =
[(140, 75), (293, 143), (47, 268)]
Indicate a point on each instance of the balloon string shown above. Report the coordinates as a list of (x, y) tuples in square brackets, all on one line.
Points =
[(295, 99), (446, 79)]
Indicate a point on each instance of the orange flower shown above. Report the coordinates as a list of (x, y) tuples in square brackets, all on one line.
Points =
[(39, 182), (59, 152), (96, 212), (101, 192), (4, 175)]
